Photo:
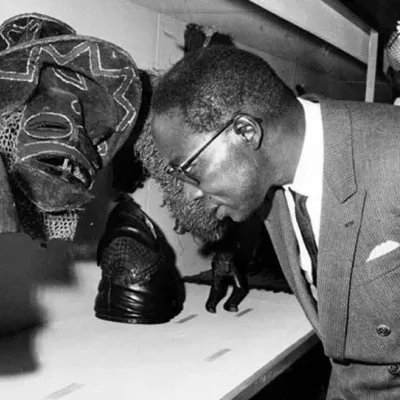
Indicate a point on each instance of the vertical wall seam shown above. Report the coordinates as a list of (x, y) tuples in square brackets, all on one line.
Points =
[(157, 49)]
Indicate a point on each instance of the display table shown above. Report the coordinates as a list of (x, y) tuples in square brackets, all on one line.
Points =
[(195, 356)]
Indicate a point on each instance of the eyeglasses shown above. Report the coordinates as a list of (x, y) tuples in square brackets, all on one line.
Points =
[(181, 171)]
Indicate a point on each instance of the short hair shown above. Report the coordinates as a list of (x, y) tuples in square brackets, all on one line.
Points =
[(212, 84)]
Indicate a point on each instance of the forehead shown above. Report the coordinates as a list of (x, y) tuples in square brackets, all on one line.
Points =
[(173, 137)]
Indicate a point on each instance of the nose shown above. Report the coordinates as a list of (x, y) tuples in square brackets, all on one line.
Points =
[(192, 192)]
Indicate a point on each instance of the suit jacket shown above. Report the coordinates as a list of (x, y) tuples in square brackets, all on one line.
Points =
[(358, 316)]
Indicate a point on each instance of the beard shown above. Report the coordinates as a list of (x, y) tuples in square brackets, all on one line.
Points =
[(191, 216)]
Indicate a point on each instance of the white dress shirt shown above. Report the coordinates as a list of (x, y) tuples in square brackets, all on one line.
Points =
[(308, 181)]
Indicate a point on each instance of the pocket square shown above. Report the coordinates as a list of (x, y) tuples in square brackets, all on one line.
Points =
[(383, 249)]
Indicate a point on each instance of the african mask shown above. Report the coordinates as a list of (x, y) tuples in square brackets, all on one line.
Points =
[(68, 104)]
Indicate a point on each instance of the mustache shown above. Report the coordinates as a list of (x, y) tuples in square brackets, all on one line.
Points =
[(191, 216)]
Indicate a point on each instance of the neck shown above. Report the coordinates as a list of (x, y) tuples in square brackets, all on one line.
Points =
[(289, 137)]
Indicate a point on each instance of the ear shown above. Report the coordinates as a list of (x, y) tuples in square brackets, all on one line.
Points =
[(249, 129)]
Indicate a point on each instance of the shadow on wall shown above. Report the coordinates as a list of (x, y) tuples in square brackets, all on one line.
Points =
[(25, 266), (93, 219)]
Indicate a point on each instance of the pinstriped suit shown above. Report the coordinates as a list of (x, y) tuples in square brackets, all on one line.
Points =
[(358, 314)]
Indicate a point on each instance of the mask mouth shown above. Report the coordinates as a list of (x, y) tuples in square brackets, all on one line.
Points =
[(64, 168), (64, 161), (55, 181)]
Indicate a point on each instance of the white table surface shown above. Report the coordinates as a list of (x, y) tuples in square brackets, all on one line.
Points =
[(197, 355)]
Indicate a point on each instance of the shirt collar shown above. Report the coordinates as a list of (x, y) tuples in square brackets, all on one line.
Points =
[(310, 167)]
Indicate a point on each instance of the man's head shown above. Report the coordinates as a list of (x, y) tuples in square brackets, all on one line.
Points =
[(223, 119), (190, 215)]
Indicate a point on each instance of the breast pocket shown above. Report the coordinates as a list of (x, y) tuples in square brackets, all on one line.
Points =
[(381, 261)]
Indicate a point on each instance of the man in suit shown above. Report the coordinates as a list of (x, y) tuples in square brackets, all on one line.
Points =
[(325, 175)]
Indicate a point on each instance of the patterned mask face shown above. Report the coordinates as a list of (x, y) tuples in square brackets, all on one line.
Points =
[(68, 104), (56, 161)]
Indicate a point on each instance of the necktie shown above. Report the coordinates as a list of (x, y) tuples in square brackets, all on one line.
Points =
[(304, 222)]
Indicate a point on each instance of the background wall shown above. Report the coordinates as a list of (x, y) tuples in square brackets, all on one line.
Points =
[(154, 41)]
